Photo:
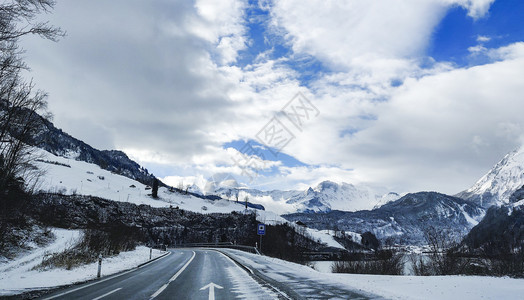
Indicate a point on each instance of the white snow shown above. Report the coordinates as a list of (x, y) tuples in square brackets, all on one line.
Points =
[(502, 180), (17, 275), (390, 287), (326, 196), (518, 203), (470, 220), (85, 179), (270, 218), (244, 286), (63, 239), (322, 266)]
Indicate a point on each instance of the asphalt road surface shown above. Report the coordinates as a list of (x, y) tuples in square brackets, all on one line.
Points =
[(183, 274), (202, 274)]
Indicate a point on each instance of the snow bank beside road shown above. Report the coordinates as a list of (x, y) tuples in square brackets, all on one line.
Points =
[(17, 276), (306, 281)]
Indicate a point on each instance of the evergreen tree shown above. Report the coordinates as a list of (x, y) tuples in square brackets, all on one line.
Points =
[(154, 191)]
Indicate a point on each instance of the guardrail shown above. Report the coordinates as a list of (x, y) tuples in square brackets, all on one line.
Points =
[(219, 245)]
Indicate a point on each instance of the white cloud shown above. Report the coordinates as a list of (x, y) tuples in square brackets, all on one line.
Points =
[(221, 24), (350, 33), (146, 76), (158, 80), (476, 8), (477, 49), (483, 38), (454, 124)]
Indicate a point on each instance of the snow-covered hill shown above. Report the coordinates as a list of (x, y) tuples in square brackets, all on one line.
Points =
[(325, 197), (60, 143), (69, 176), (496, 187)]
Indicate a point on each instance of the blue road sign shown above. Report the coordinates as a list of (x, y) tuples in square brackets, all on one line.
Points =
[(261, 229)]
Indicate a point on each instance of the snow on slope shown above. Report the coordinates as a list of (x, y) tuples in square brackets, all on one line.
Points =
[(63, 239), (500, 182), (385, 199), (17, 275), (88, 179)]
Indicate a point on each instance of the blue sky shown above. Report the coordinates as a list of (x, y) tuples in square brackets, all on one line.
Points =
[(450, 42), (503, 25), (264, 39), (399, 87)]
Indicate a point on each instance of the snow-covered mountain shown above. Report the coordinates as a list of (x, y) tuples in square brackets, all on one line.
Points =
[(501, 230), (329, 195), (324, 197), (496, 187), (404, 220), (386, 198)]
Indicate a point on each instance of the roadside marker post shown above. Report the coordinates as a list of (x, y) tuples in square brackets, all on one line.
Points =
[(99, 266)]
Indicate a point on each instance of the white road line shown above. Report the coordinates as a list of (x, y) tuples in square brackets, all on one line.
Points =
[(154, 260), (86, 286), (162, 288), (234, 263), (97, 282), (251, 271), (107, 294)]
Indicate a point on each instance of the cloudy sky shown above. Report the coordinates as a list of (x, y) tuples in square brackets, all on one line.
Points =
[(406, 94)]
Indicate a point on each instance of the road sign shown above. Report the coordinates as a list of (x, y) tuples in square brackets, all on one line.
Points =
[(261, 229)]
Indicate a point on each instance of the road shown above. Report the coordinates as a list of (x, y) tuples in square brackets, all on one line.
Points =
[(183, 274), (210, 274)]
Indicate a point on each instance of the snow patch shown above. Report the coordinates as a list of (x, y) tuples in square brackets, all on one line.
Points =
[(389, 287), (17, 276)]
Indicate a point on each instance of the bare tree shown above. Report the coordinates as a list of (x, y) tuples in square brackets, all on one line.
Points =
[(442, 257), (20, 103)]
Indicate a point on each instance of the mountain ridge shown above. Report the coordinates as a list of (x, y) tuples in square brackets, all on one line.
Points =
[(324, 197), (497, 186), (60, 143), (404, 220)]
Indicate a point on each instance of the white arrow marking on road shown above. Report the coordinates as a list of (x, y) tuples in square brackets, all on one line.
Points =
[(211, 286)]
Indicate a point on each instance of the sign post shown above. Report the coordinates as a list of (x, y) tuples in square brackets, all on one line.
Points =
[(261, 230)]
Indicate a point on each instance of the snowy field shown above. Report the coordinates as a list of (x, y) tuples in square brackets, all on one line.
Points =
[(17, 275), (301, 278)]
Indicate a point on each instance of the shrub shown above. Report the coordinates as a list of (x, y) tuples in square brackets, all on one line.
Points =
[(384, 262), (93, 243)]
